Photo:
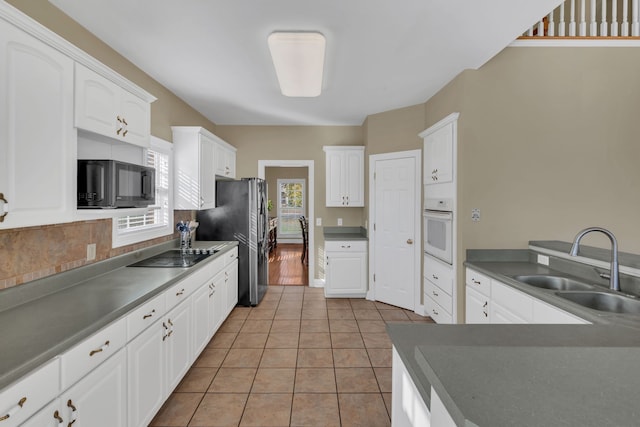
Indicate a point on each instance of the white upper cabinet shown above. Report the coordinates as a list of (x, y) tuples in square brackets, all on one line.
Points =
[(107, 109), (344, 176), (225, 157), (195, 167), (37, 137), (438, 155)]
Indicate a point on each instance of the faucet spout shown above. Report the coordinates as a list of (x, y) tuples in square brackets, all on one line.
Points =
[(614, 280)]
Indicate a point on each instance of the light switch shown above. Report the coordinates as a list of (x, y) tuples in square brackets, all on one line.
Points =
[(339, 222), (91, 252), (318, 222)]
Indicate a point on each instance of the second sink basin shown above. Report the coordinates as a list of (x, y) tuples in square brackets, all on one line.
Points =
[(553, 282), (603, 301)]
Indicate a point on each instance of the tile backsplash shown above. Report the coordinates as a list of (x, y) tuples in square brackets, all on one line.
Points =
[(30, 253)]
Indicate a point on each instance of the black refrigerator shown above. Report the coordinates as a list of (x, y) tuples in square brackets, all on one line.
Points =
[(241, 214)]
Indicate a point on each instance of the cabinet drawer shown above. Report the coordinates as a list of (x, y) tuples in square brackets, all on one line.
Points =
[(345, 246), (439, 273), (144, 316), (438, 295), (181, 290), (514, 301), (231, 256), (91, 352), (436, 312), (27, 396), (479, 282)]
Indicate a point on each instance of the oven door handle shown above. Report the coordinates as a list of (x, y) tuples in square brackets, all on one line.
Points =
[(438, 214)]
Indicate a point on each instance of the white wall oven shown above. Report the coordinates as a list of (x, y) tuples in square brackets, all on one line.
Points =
[(438, 229)]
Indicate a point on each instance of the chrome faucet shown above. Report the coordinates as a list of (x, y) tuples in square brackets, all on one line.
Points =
[(614, 279)]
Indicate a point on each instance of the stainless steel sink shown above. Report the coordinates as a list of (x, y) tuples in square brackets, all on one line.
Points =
[(603, 301), (553, 282)]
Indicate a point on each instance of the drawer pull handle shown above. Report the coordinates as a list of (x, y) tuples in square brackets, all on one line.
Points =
[(146, 316), (180, 293), (57, 417), (434, 276), (435, 294), (435, 312), (103, 348), (14, 410), (345, 247), (477, 282)]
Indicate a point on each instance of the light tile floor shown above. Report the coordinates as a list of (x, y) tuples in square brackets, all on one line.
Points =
[(297, 359)]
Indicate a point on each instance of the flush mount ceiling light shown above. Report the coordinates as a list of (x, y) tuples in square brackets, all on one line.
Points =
[(299, 61)]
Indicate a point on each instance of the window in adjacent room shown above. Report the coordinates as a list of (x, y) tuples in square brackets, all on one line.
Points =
[(291, 205), (158, 220)]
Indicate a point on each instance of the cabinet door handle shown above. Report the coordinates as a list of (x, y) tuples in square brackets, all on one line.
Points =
[(410, 241), (435, 294), (146, 316), (485, 314), (11, 412), (103, 348), (74, 413), (125, 132), (485, 304), (347, 200), (4, 207), (57, 417)]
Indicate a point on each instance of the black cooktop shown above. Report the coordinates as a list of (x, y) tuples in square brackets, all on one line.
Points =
[(172, 259)]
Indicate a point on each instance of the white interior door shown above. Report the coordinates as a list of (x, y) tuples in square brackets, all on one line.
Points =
[(396, 235)]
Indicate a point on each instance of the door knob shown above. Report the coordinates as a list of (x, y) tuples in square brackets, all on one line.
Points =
[(410, 241)]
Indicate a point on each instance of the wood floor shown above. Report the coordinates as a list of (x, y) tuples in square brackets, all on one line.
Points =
[(285, 266)]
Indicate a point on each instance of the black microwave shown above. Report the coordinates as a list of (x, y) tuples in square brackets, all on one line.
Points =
[(109, 184)]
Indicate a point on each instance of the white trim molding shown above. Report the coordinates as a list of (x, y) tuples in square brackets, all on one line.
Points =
[(309, 164)]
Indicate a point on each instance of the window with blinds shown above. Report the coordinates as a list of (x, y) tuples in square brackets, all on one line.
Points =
[(157, 220)]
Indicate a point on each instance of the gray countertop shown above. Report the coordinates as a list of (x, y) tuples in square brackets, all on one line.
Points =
[(344, 233), (529, 375), (525, 375), (53, 314)]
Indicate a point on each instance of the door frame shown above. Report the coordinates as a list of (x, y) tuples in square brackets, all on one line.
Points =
[(309, 164), (418, 307)]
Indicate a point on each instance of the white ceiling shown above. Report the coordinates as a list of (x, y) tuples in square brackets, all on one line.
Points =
[(381, 54)]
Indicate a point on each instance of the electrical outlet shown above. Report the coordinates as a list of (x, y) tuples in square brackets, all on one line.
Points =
[(543, 259), (318, 222), (339, 222), (91, 251), (475, 214)]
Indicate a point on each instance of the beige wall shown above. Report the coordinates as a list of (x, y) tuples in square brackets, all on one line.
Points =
[(167, 111), (545, 150), (296, 143)]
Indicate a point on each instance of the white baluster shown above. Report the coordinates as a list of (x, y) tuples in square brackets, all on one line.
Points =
[(603, 19), (614, 18), (624, 30), (583, 21), (572, 19), (561, 23), (593, 25), (635, 26), (530, 32), (551, 27), (541, 28)]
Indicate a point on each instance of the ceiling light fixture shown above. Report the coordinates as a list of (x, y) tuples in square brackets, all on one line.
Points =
[(298, 58)]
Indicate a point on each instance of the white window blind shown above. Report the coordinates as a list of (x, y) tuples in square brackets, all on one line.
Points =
[(157, 220)]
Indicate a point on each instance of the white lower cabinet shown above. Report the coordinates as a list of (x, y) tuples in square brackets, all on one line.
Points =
[(490, 301), (407, 405), (178, 343), (200, 306), (146, 376), (439, 293), (231, 285), (100, 398), (217, 298), (346, 269)]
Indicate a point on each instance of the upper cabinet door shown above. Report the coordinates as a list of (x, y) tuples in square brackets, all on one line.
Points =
[(194, 159), (438, 156), (344, 176), (107, 109), (97, 103), (37, 138), (207, 174)]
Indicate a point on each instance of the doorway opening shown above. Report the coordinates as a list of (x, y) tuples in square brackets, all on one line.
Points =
[(288, 193)]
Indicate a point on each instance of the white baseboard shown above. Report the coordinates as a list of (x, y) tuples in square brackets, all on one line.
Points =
[(421, 310), (317, 283)]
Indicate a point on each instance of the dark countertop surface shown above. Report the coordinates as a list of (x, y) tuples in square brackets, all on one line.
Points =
[(51, 315), (344, 233)]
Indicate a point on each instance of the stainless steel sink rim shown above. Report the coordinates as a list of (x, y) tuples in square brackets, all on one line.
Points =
[(603, 301), (557, 283)]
